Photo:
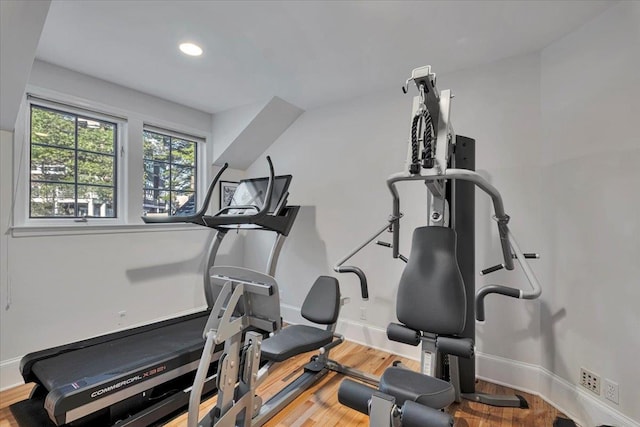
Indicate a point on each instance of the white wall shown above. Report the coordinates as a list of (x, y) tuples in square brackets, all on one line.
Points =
[(340, 157), (68, 286), (591, 105), (557, 133), (117, 98), (21, 24)]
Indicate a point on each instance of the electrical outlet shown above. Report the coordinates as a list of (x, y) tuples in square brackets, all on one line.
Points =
[(590, 381), (363, 313), (611, 391)]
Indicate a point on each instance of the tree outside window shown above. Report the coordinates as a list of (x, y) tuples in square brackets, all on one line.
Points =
[(169, 174), (73, 165)]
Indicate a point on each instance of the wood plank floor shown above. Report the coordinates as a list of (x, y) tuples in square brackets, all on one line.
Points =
[(319, 406)]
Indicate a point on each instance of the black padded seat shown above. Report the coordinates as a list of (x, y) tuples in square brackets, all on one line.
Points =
[(404, 384), (321, 306), (294, 340)]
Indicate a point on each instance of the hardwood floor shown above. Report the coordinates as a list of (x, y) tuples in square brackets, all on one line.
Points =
[(318, 406)]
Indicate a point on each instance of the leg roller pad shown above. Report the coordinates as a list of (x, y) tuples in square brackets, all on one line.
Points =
[(355, 395), (417, 415)]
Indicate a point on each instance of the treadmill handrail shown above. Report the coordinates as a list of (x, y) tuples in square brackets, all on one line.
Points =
[(216, 220), (189, 219)]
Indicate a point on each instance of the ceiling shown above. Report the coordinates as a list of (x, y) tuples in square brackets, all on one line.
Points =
[(309, 53)]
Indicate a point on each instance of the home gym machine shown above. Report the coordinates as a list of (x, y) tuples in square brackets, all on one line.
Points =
[(140, 376), (247, 309), (437, 288)]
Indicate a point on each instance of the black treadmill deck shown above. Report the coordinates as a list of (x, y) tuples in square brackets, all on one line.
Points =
[(107, 361), (86, 377)]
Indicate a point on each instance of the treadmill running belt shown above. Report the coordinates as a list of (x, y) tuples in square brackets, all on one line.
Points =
[(92, 365)]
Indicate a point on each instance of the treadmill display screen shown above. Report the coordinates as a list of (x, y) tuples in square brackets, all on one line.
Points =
[(252, 192)]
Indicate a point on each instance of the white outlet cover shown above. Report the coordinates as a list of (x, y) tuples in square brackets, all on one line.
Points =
[(611, 391)]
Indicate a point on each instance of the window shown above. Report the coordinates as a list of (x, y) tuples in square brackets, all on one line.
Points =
[(73, 165), (85, 167), (169, 173)]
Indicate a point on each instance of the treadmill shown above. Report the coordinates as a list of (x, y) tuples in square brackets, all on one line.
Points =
[(142, 376)]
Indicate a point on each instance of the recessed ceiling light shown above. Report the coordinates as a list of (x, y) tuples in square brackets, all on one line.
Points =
[(191, 49)]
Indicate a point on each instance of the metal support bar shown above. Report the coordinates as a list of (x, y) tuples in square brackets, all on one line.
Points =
[(354, 373), (381, 410), (272, 263), (339, 268), (463, 174), (366, 242), (213, 251)]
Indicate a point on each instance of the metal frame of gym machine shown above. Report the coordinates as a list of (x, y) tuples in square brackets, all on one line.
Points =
[(231, 218), (249, 284), (249, 298), (448, 171)]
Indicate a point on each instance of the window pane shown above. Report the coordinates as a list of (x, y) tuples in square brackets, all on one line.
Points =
[(156, 146), (184, 203), (48, 200), (183, 152), (96, 201), (97, 136), (52, 164), (156, 174), (69, 154), (183, 178), (156, 201), (95, 168), (52, 127), (169, 175)]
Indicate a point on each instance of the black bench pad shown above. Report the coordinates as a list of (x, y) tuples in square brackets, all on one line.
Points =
[(294, 340), (404, 384)]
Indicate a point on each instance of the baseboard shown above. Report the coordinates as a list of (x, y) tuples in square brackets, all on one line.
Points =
[(10, 368), (582, 407), (10, 373)]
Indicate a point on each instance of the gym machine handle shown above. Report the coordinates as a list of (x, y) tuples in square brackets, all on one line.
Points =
[(492, 289), (498, 267), (389, 245), (339, 268), (431, 175), (534, 293), (189, 219), (218, 219), (364, 287)]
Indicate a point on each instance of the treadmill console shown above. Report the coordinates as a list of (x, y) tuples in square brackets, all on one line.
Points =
[(252, 192)]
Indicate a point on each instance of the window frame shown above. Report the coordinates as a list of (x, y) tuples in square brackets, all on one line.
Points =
[(198, 141), (22, 173), (130, 169), (62, 109)]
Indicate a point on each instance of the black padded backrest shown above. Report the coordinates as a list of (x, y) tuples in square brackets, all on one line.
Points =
[(431, 296), (322, 304)]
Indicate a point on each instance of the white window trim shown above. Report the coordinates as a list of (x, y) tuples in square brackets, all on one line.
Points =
[(22, 174), (129, 193)]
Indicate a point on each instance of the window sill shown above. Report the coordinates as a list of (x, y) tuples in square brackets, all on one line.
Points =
[(72, 230)]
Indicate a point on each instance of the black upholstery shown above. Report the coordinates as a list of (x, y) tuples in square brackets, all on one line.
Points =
[(416, 415), (404, 384), (401, 333), (431, 295), (322, 305), (431, 298), (294, 340)]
